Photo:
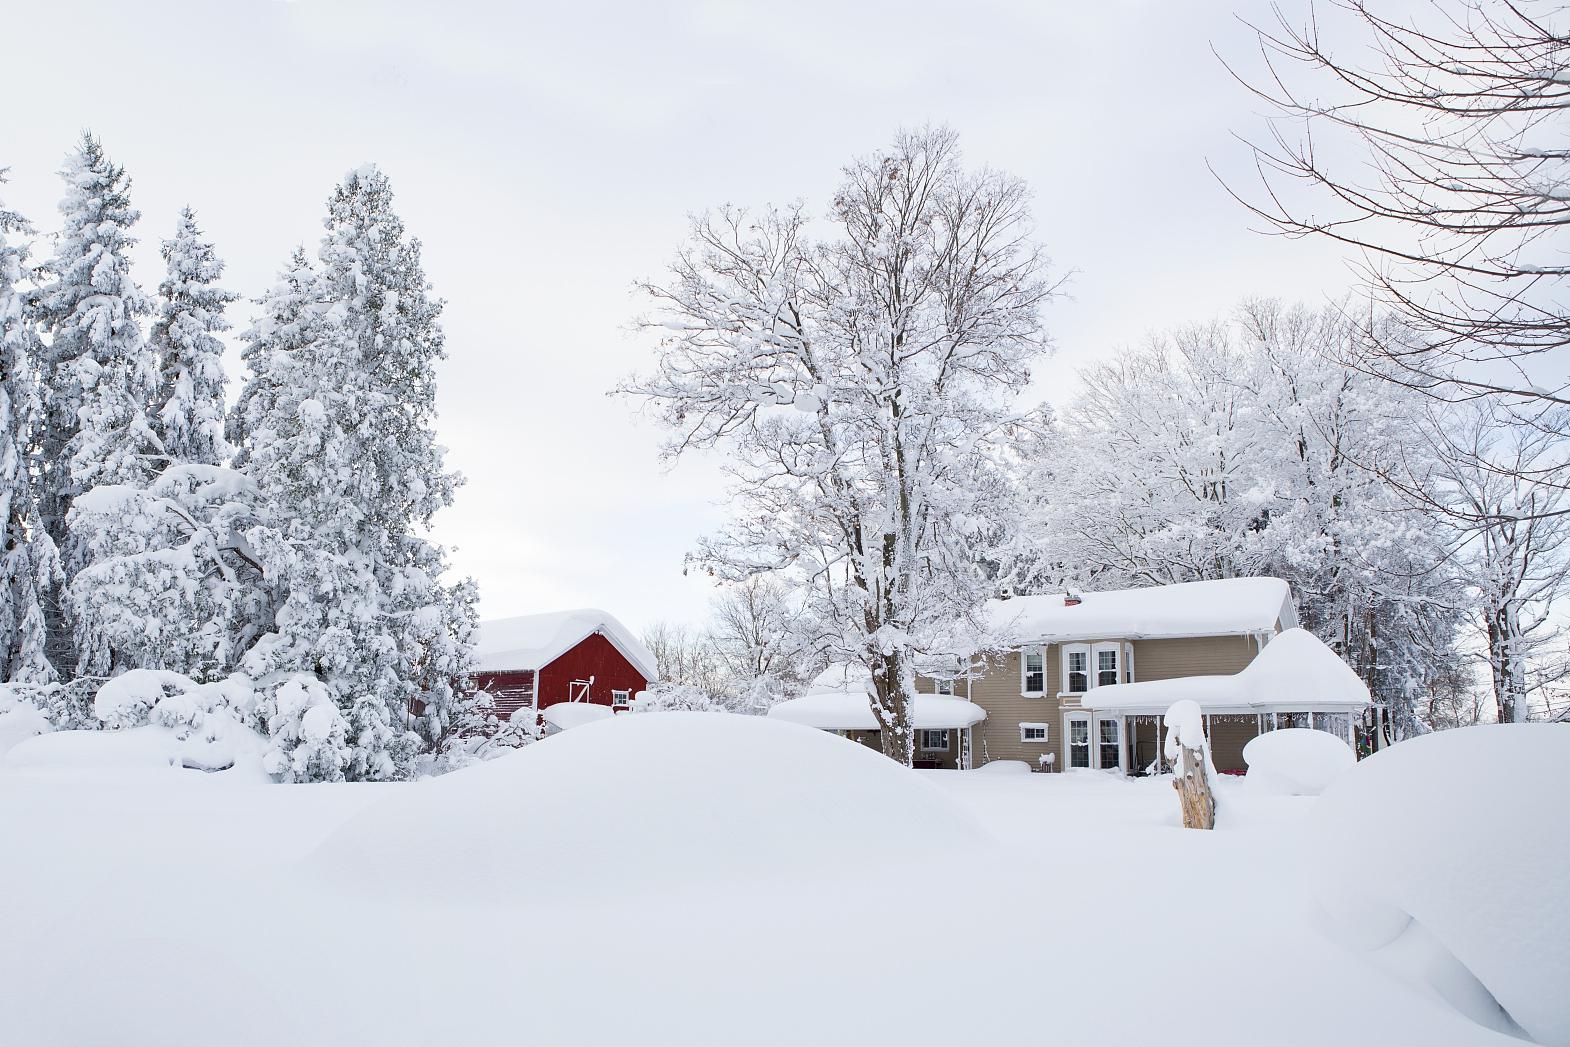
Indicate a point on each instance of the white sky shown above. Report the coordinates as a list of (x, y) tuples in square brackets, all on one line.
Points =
[(549, 157)]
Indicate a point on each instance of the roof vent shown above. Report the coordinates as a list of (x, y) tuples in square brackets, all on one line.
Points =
[(1071, 600)]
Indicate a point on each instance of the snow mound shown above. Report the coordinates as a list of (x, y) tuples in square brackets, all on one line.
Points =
[(220, 745), (1448, 857), (1296, 761), (564, 716), (1004, 767), (665, 799)]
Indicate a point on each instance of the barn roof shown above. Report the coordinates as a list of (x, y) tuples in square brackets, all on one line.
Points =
[(1215, 608), (533, 641)]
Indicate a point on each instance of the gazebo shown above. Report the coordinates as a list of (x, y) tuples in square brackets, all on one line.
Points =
[(1296, 681), (839, 700)]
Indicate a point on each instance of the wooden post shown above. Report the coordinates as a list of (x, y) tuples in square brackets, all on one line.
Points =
[(1192, 782)]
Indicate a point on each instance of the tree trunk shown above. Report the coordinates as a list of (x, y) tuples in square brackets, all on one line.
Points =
[(1192, 783), (892, 709)]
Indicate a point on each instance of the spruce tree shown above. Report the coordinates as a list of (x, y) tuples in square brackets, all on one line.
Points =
[(188, 414), (29, 564), (97, 375), (369, 641)]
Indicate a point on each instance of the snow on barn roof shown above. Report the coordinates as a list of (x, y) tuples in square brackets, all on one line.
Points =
[(533, 641), (1294, 671), (1216, 608), (838, 701)]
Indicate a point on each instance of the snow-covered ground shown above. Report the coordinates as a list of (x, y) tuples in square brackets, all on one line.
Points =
[(673, 878)]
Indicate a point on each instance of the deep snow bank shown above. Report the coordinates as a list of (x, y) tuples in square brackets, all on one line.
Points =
[(1450, 855), (1296, 761), (642, 802)]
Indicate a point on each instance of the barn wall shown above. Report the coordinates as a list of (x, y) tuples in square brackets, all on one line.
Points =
[(595, 657), (508, 691)]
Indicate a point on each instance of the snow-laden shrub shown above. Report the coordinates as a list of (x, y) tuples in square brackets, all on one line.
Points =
[(678, 697), (66, 706), (309, 735)]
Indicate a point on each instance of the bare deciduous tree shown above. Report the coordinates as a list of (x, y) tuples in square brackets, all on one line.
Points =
[(861, 389), (1459, 202)]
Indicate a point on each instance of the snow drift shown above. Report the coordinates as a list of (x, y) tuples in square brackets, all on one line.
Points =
[(1444, 856), (659, 800), (1296, 761)]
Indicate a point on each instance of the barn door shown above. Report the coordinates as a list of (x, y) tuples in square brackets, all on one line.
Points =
[(578, 691)]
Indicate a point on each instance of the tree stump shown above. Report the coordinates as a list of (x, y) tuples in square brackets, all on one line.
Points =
[(1192, 782)]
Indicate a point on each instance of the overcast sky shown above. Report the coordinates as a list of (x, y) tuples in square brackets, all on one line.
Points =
[(548, 156)]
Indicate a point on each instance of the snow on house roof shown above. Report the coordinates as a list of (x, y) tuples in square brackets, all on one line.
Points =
[(1214, 608), (838, 701), (533, 641), (1294, 671)]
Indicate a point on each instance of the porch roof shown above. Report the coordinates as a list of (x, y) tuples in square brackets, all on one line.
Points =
[(838, 701), (1295, 671)]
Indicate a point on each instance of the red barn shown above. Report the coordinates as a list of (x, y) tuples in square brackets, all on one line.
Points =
[(541, 660)]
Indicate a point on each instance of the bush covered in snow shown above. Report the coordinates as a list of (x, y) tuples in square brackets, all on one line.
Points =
[(1448, 857), (1296, 761)]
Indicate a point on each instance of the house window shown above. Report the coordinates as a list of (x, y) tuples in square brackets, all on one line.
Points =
[(1033, 732), (934, 741), (1078, 742), (1109, 749), (1106, 667), (621, 699), (1128, 663), (1076, 669), (944, 686), (1035, 671)]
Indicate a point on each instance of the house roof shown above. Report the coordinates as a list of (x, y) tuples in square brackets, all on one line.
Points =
[(1224, 607), (838, 701), (1294, 671), (533, 641)]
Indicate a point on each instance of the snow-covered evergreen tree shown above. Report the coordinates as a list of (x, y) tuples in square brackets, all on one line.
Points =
[(272, 347), (188, 414), (97, 376), (362, 668), (30, 567)]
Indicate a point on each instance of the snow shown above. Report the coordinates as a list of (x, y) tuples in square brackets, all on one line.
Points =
[(1185, 728), (838, 700), (1447, 858), (533, 641), (1296, 761), (1242, 606), (697, 879), (1294, 671), (567, 715), (515, 827)]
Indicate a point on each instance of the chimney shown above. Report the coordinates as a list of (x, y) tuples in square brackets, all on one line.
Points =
[(1071, 600)]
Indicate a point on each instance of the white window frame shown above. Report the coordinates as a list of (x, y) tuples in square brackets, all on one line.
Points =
[(1128, 663), (1090, 668), (926, 732), (1096, 651), (943, 687), (1026, 728), (1024, 672), (1097, 743), (621, 699), (1069, 719)]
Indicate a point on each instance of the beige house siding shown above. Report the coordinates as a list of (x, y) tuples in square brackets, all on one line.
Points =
[(1192, 656), (998, 691)]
